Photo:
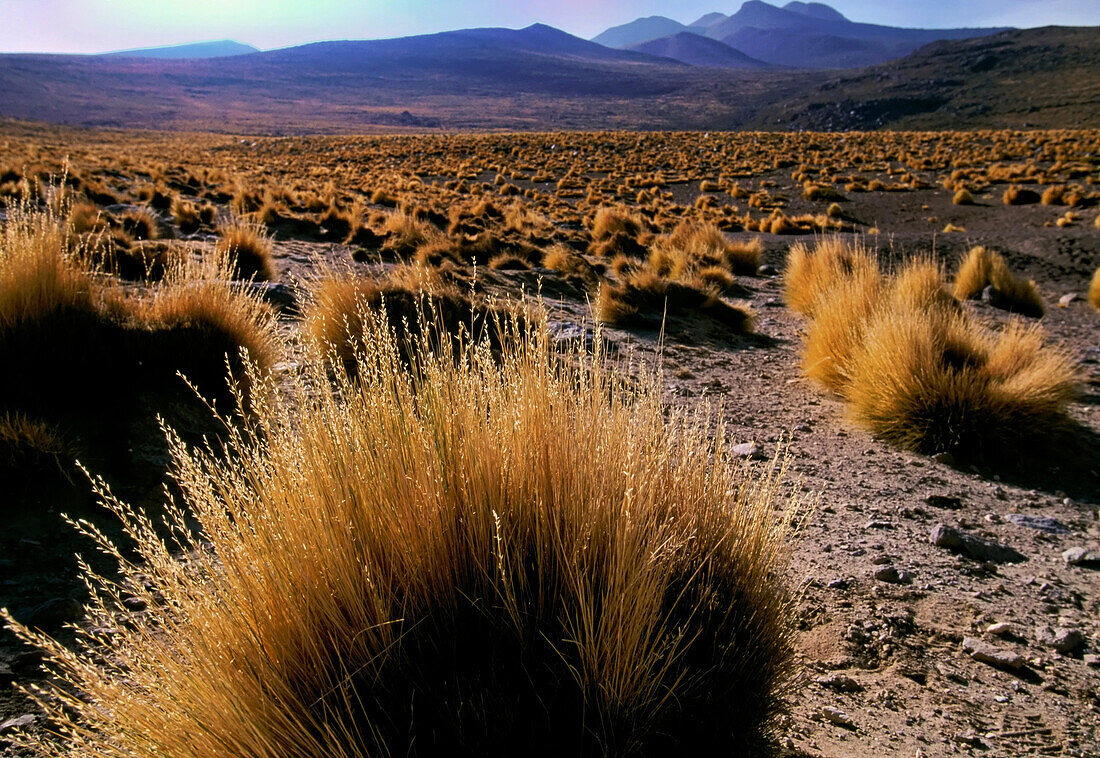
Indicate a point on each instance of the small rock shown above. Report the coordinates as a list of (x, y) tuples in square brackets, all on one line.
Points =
[(1066, 299), (969, 737), (766, 270), (944, 457), (878, 524), (838, 584), (838, 717), (1080, 556), (749, 450), (803, 428), (135, 603), (1063, 640), (944, 501), (276, 294), (1092, 660), (891, 575), (840, 683), (19, 722), (1001, 629), (1039, 523), (985, 653), (977, 548)]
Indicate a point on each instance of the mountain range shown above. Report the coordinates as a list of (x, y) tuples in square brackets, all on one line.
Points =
[(541, 78), (801, 35)]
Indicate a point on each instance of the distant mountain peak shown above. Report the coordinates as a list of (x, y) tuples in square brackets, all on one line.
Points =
[(707, 20), (815, 10)]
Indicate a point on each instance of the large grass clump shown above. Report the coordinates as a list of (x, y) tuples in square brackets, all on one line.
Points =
[(83, 352), (475, 552), (914, 367), (1094, 290)]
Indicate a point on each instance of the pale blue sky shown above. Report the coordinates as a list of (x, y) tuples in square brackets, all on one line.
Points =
[(98, 25)]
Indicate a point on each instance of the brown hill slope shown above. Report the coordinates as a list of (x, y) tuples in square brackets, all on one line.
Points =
[(1019, 79)]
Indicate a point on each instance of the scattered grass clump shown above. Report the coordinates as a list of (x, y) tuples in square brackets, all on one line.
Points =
[(1094, 290), (618, 231), (982, 269), (1017, 195), (642, 297), (963, 197), (915, 368), (468, 553), (247, 245)]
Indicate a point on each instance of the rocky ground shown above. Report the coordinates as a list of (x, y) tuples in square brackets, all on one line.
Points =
[(944, 609)]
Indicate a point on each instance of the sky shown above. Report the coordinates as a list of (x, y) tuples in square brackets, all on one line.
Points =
[(68, 26)]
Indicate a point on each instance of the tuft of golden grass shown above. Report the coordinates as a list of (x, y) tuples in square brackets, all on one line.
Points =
[(336, 318), (812, 271), (983, 268), (31, 452), (963, 197), (931, 381), (60, 318), (1094, 290), (200, 322), (141, 224), (974, 274), (187, 215), (644, 295), (822, 192), (472, 551), (916, 369), (1017, 195), (839, 317), (247, 246)]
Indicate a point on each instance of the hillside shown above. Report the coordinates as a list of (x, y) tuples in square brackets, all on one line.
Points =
[(1018, 79), (696, 50)]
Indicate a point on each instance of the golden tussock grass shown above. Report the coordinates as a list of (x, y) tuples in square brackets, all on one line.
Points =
[(336, 317), (693, 245), (201, 322), (61, 318), (248, 247), (643, 296), (919, 372), (983, 268), (932, 381), (140, 224), (963, 197), (812, 271), (618, 230), (821, 192), (836, 329), (470, 553), (1094, 290), (565, 260), (1017, 195)]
